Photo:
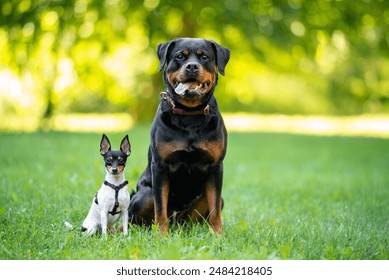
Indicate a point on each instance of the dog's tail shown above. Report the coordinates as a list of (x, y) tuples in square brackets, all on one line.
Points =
[(69, 225)]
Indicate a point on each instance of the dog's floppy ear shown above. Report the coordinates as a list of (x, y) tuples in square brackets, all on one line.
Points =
[(105, 145), (125, 146), (163, 51), (222, 56)]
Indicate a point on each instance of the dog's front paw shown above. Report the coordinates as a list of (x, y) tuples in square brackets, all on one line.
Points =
[(112, 230), (119, 228)]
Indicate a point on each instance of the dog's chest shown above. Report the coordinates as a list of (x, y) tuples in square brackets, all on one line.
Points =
[(189, 144), (106, 198), (197, 152)]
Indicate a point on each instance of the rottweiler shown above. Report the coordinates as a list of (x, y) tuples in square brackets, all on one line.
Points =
[(184, 176)]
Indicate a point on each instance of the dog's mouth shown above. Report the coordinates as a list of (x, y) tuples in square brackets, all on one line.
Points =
[(115, 171), (191, 87)]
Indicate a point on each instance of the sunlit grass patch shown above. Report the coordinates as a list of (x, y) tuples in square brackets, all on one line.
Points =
[(91, 122), (362, 125), (15, 123)]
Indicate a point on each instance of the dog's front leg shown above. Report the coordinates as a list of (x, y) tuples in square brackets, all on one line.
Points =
[(104, 221), (213, 190), (125, 221), (161, 195)]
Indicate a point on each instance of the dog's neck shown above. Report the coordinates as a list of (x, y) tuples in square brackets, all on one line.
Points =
[(116, 179), (178, 103)]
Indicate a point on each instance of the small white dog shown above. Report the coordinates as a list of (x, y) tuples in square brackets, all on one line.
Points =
[(113, 199)]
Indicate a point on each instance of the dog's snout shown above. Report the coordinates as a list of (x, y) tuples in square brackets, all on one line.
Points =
[(192, 67), (114, 169)]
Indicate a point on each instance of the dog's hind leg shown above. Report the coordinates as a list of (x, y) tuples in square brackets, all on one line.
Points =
[(141, 209), (198, 211)]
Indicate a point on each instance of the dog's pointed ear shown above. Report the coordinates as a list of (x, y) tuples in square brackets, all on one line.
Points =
[(163, 51), (222, 56), (105, 145), (125, 146)]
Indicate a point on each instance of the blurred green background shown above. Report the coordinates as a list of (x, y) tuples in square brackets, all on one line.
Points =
[(289, 56)]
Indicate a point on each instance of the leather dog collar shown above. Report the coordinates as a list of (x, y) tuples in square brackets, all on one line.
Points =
[(182, 112)]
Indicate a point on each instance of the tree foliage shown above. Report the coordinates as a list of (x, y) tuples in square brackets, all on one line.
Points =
[(289, 56)]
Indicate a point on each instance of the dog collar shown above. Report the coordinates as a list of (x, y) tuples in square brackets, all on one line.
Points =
[(116, 189), (182, 112)]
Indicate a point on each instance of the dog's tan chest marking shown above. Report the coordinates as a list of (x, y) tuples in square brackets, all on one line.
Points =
[(214, 149), (167, 148)]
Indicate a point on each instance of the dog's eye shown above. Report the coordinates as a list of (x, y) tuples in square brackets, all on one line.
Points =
[(180, 56), (109, 161), (204, 57)]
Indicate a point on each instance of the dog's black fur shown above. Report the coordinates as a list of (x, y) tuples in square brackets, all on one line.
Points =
[(184, 175)]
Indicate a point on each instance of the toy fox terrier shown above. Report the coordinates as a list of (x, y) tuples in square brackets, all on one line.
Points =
[(113, 199)]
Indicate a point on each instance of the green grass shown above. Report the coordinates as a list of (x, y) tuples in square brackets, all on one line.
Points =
[(286, 197)]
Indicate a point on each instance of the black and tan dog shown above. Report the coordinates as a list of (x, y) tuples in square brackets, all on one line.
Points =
[(184, 176)]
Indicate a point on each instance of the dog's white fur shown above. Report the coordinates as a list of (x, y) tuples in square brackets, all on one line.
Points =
[(98, 216)]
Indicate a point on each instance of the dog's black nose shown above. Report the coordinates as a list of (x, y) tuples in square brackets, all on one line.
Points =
[(114, 169), (192, 67)]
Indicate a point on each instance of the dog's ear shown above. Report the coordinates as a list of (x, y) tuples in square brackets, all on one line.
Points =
[(222, 56), (105, 145), (163, 51), (125, 146)]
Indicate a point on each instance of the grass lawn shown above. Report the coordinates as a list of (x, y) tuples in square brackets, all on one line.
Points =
[(286, 197)]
